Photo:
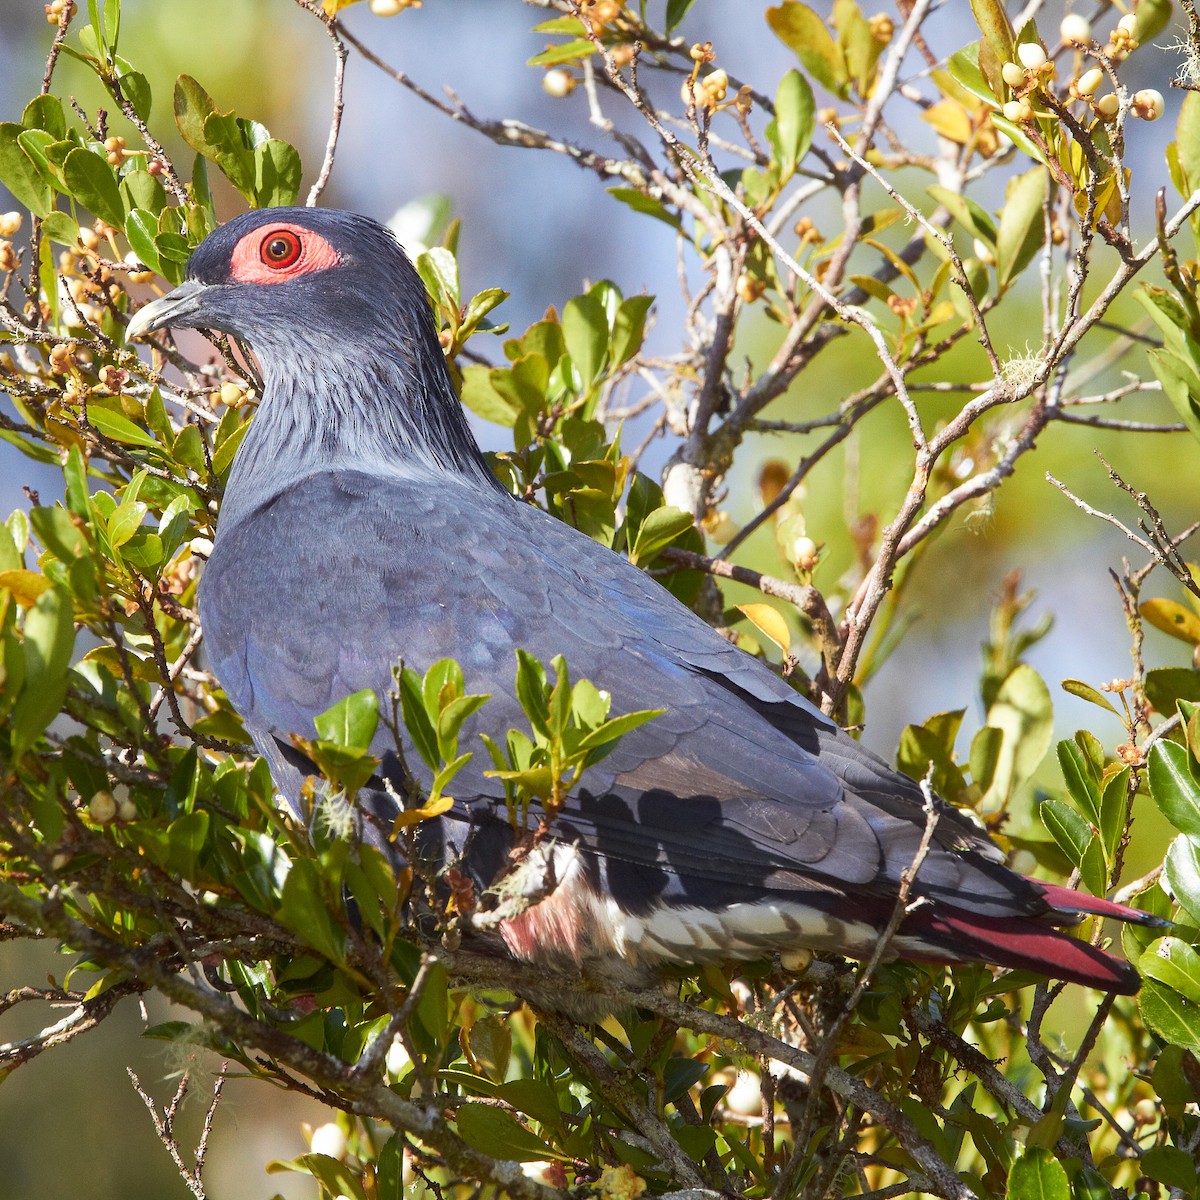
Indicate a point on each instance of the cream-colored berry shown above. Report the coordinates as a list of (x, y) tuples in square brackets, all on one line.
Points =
[(882, 27), (1128, 25), (1031, 55), (1075, 29), (330, 1139), (103, 808), (1088, 83), (983, 252), (10, 222), (1108, 106), (558, 83), (1147, 104), (126, 810), (1012, 74), (1014, 111)]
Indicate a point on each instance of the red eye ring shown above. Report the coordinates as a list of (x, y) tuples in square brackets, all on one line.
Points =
[(279, 249)]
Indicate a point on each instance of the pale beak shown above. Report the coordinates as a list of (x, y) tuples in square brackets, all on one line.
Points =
[(172, 309)]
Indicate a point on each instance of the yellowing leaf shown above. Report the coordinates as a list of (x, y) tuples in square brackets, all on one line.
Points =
[(412, 816), (26, 586), (769, 622), (1174, 619), (950, 119)]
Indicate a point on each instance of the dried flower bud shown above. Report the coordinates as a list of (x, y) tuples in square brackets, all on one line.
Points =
[(1031, 55), (8, 257), (882, 27), (62, 358), (702, 52), (114, 150), (113, 378), (1075, 29)]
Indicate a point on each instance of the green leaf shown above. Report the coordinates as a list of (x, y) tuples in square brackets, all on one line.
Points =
[(498, 1133), (1170, 1016), (995, 26), (676, 11), (1181, 386), (224, 454), (1037, 1175), (416, 720), (141, 229), (808, 37), (1081, 784), (46, 112), (1166, 685), (19, 174), (795, 120), (1168, 1164), (658, 529), (573, 51), (1067, 827), (350, 723), (135, 87), (93, 182), (1113, 806), (966, 212), (48, 644), (304, 912), (118, 427), (1023, 710), (1172, 961), (1173, 787), (277, 173), (629, 327), (585, 329), (1085, 691), (1183, 874), (652, 206), (1022, 225), (438, 269)]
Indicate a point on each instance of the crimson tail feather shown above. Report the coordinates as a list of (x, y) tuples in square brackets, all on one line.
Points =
[(1024, 943), (1074, 906)]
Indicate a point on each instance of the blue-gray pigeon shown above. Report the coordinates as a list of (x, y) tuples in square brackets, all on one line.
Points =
[(361, 525)]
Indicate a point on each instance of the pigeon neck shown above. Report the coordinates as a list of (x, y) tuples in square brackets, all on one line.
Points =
[(383, 414)]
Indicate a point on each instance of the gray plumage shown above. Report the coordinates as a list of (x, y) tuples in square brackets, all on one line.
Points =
[(361, 525)]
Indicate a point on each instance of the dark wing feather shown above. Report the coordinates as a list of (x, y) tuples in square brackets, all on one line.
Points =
[(740, 786)]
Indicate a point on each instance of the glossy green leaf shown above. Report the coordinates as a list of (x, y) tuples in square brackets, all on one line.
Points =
[(49, 643), (304, 911), (1173, 787), (1067, 827), (658, 529), (1092, 695), (1022, 225), (118, 427), (1168, 1164), (497, 1133), (277, 173), (18, 173), (676, 11), (585, 329), (1023, 710), (135, 87), (93, 182), (1170, 1016), (1114, 804), (791, 133), (1173, 962), (46, 112), (1037, 1175), (351, 722), (1183, 874)]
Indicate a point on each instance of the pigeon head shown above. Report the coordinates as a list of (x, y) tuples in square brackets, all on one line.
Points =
[(295, 280), (353, 374)]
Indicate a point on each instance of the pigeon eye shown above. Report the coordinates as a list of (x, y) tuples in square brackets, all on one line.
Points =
[(280, 249)]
